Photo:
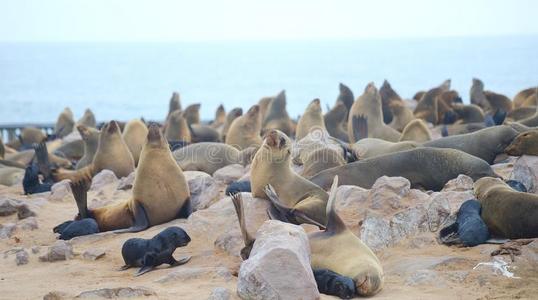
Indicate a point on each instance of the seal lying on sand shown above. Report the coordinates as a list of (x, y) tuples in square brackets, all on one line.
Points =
[(508, 213), (151, 253), (427, 168)]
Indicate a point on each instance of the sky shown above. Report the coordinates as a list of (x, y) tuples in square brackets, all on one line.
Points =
[(203, 20)]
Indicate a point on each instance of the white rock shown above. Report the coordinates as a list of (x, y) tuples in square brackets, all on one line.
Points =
[(6, 230), (105, 177), (229, 173), (204, 189), (526, 171), (61, 192), (220, 293), (461, 183), (438, 211), (93, 254), (126, 183), (387, 192), (188, 273), (280, 256), (375, 231), (60, 250), (21, 257), (408, 222)]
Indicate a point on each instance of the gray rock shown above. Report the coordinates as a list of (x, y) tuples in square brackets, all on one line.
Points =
[(204, 189), (459, 184), (24, 211), (230, 242), (61, 192), (526, 171), (6, 230), (36, 249), (28, 224), (220, 293), (114, 293), (126, 183), (189, 273), (93, 254), (21, 257), (105, 177), (438, 211), (8, 207), (388, 191), (408, 222), (375, 231), (60, 250), (57, 295), (229, 173), (281, 255)]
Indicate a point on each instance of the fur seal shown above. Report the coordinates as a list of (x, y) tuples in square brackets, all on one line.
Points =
[(524, 143), (151, 253), (469, 228), (175, 103), (73, 150), (299, 200), (489, 101), (486, 143), (469, 113), (401, 115), (521, 97), (321, 159), (11, 175), (65, 123), (31, 182), (276, 116), (372, 147), (90, 136), (71, 229), (220, 117), (521, 113), (245, 130), (192, 114), (209, 157), (507, 213), (427, 106), (230, 117), (345, 96), (331, 283), (388, 96), (416, 131), (112, 154), (335, 121), (311, 118), (418, 95), (134, 135), (160, 191), (424, 167), (177, 128), (28, 137), (87, 119), (203, 133), (367, 109), (2, 149), (339, 250)]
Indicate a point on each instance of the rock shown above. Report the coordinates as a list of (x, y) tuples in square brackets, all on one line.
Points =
[(280, 256), (375, 231), (21, 257), (126, 183), (229, 173), (526, 171), (220, 293), (60, 250), (28, 224), (189, 273), (105, 177), (504, 170), (461, 183), (23, 212), (56, 295), (438, 211), (121, 292), (36, 249), (93, 254), (61, 192), (387, 192), (8, 207), (454, 199), (204, 189), (6, 230), (408, 222), (230, 242)]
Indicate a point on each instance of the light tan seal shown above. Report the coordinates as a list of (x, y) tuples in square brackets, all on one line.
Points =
[(416, 131), (345, 96), (90, 136), (401, 115), (220, 117), (336, 121), (524, 143), (366, 118), (276, 116), (245, 130), (372, 147), (177, 128), (28, 137), (160, 192), (520, 99), (209, 157), (489, 101), (65, 123), (134, 135), (311, 118), (112, 154), (230, 117), (321, 159), (427, 106), (271, 166), (507, 213), (192, 114), (87, 119)]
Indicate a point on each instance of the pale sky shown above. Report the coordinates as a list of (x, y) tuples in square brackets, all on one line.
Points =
[(172, 21)]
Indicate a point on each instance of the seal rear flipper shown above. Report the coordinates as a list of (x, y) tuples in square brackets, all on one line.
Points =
[(359, 127), (143, 270), (61, 227), (124, 267), (149, 262), (80, 193), (42, 156), (449, 235), (181, 261), (186, 209), (141, 221)]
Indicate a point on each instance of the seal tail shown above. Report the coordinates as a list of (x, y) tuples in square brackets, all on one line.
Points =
[(360, 127), (80, 192), (334, 222), (237, 200)]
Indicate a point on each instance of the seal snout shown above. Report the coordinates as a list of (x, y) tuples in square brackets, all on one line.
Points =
[(154, 133), (254, 110), (112, 126)]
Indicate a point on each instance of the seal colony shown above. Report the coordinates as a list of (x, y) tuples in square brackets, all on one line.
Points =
[(294, 165)]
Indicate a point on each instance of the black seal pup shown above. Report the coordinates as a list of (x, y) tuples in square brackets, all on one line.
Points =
[(71, 229), (469, 228), (331, 283), (150, 253), (238, 187)]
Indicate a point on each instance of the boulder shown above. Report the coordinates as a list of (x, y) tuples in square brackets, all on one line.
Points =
[(220, 293), (204, 189), (103, 178), (21, 257), (459, 184), (6, 230), (60, 250), (526, 171), (126, 183), (279, 265), (229, 173), (61, 192), (93, 254)]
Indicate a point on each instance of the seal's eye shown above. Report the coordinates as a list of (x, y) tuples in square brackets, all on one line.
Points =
[(282, 142)]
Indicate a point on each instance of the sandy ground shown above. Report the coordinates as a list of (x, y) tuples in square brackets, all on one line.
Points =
[(417, 268)]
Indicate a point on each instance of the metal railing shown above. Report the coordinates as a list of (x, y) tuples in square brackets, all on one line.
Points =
[(9, 132)]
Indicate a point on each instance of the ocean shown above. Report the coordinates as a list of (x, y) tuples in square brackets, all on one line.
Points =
[(129, 80)]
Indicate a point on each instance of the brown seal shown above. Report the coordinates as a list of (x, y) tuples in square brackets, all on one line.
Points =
[(521, 97), (489, 101), (220, 117), (425, 167), (134, 135), (468, 113), (345, 96), (366, 118), (192, 114), (335, 121), (388, 96), (177, 128), (427, 106), (245, 130), (506, 212), (90, 136), (321, 159), (372, 147), (521, 113), (230, 117), (311, 118), (160, 191), (65, 123), (401, 115), (87, 119), (524, 143), (276, 116), (416, 131)]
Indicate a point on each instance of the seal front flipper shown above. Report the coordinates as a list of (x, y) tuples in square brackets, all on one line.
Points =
[(237, 200), (42, 157), (182, 261), (141, 221), (80, 193), (360, 127)]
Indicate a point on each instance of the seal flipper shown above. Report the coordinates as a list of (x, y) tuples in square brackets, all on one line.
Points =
[(149, 264), (332, 283), (186, 209), (124, 267), (359, 127), (237, 200), (141, 222), (80, 193), (42, 157), (334, 222), (174, 263)]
